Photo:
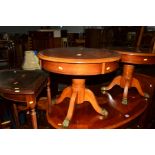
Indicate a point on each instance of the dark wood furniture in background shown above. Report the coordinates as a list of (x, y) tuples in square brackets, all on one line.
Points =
[(93, 38), (7, 54), (40, 40), (78, 62), (102, 37), (130, 57), (45, 39), (72, 37), (107, 36), (23, 86)]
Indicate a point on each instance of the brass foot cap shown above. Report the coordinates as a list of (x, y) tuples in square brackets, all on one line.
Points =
[(103, 90), (65, 123), (124, 101), (146, 95), (104, 112)]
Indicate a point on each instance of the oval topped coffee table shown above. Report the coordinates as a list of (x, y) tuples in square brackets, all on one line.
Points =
[(130, 57), (79, 62)]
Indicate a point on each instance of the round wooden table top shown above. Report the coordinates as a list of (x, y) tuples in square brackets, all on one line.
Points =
[(79, 61), (135, 56), (79, 55)]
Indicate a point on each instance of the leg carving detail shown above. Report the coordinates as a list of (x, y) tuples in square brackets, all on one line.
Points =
[(67, 92), (89, 96), (116, 81), (136, 84), (70, 110), (125, 93)]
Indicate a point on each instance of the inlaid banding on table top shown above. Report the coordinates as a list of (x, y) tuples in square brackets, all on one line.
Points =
[(78, 55)]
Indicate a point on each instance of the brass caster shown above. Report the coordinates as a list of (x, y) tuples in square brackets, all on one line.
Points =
[(125, 101), (65, 123), (104, 112), (103, 90), (146, 95)]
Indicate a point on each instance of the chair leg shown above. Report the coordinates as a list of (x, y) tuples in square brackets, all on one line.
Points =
[(15, 114)]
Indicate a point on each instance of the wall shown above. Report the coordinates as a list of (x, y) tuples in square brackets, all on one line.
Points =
[(17, 29), (70, 29), (25, 29)]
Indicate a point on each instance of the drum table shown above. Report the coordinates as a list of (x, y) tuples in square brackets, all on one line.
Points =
[(78, 62), (130, 57)]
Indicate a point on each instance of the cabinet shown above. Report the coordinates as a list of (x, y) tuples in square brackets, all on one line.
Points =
[(108, 36), (40, 40), (93, 38)]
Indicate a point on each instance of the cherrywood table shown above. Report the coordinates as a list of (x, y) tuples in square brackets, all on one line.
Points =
[(79, 62), (130, 57), (132, 115), (23, 86)]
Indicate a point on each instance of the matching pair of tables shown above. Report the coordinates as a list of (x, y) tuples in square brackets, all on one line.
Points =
[(83, 110)]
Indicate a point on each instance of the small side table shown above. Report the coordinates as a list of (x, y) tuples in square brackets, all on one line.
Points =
[(79, 62), (130, 57), (23, 86)]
